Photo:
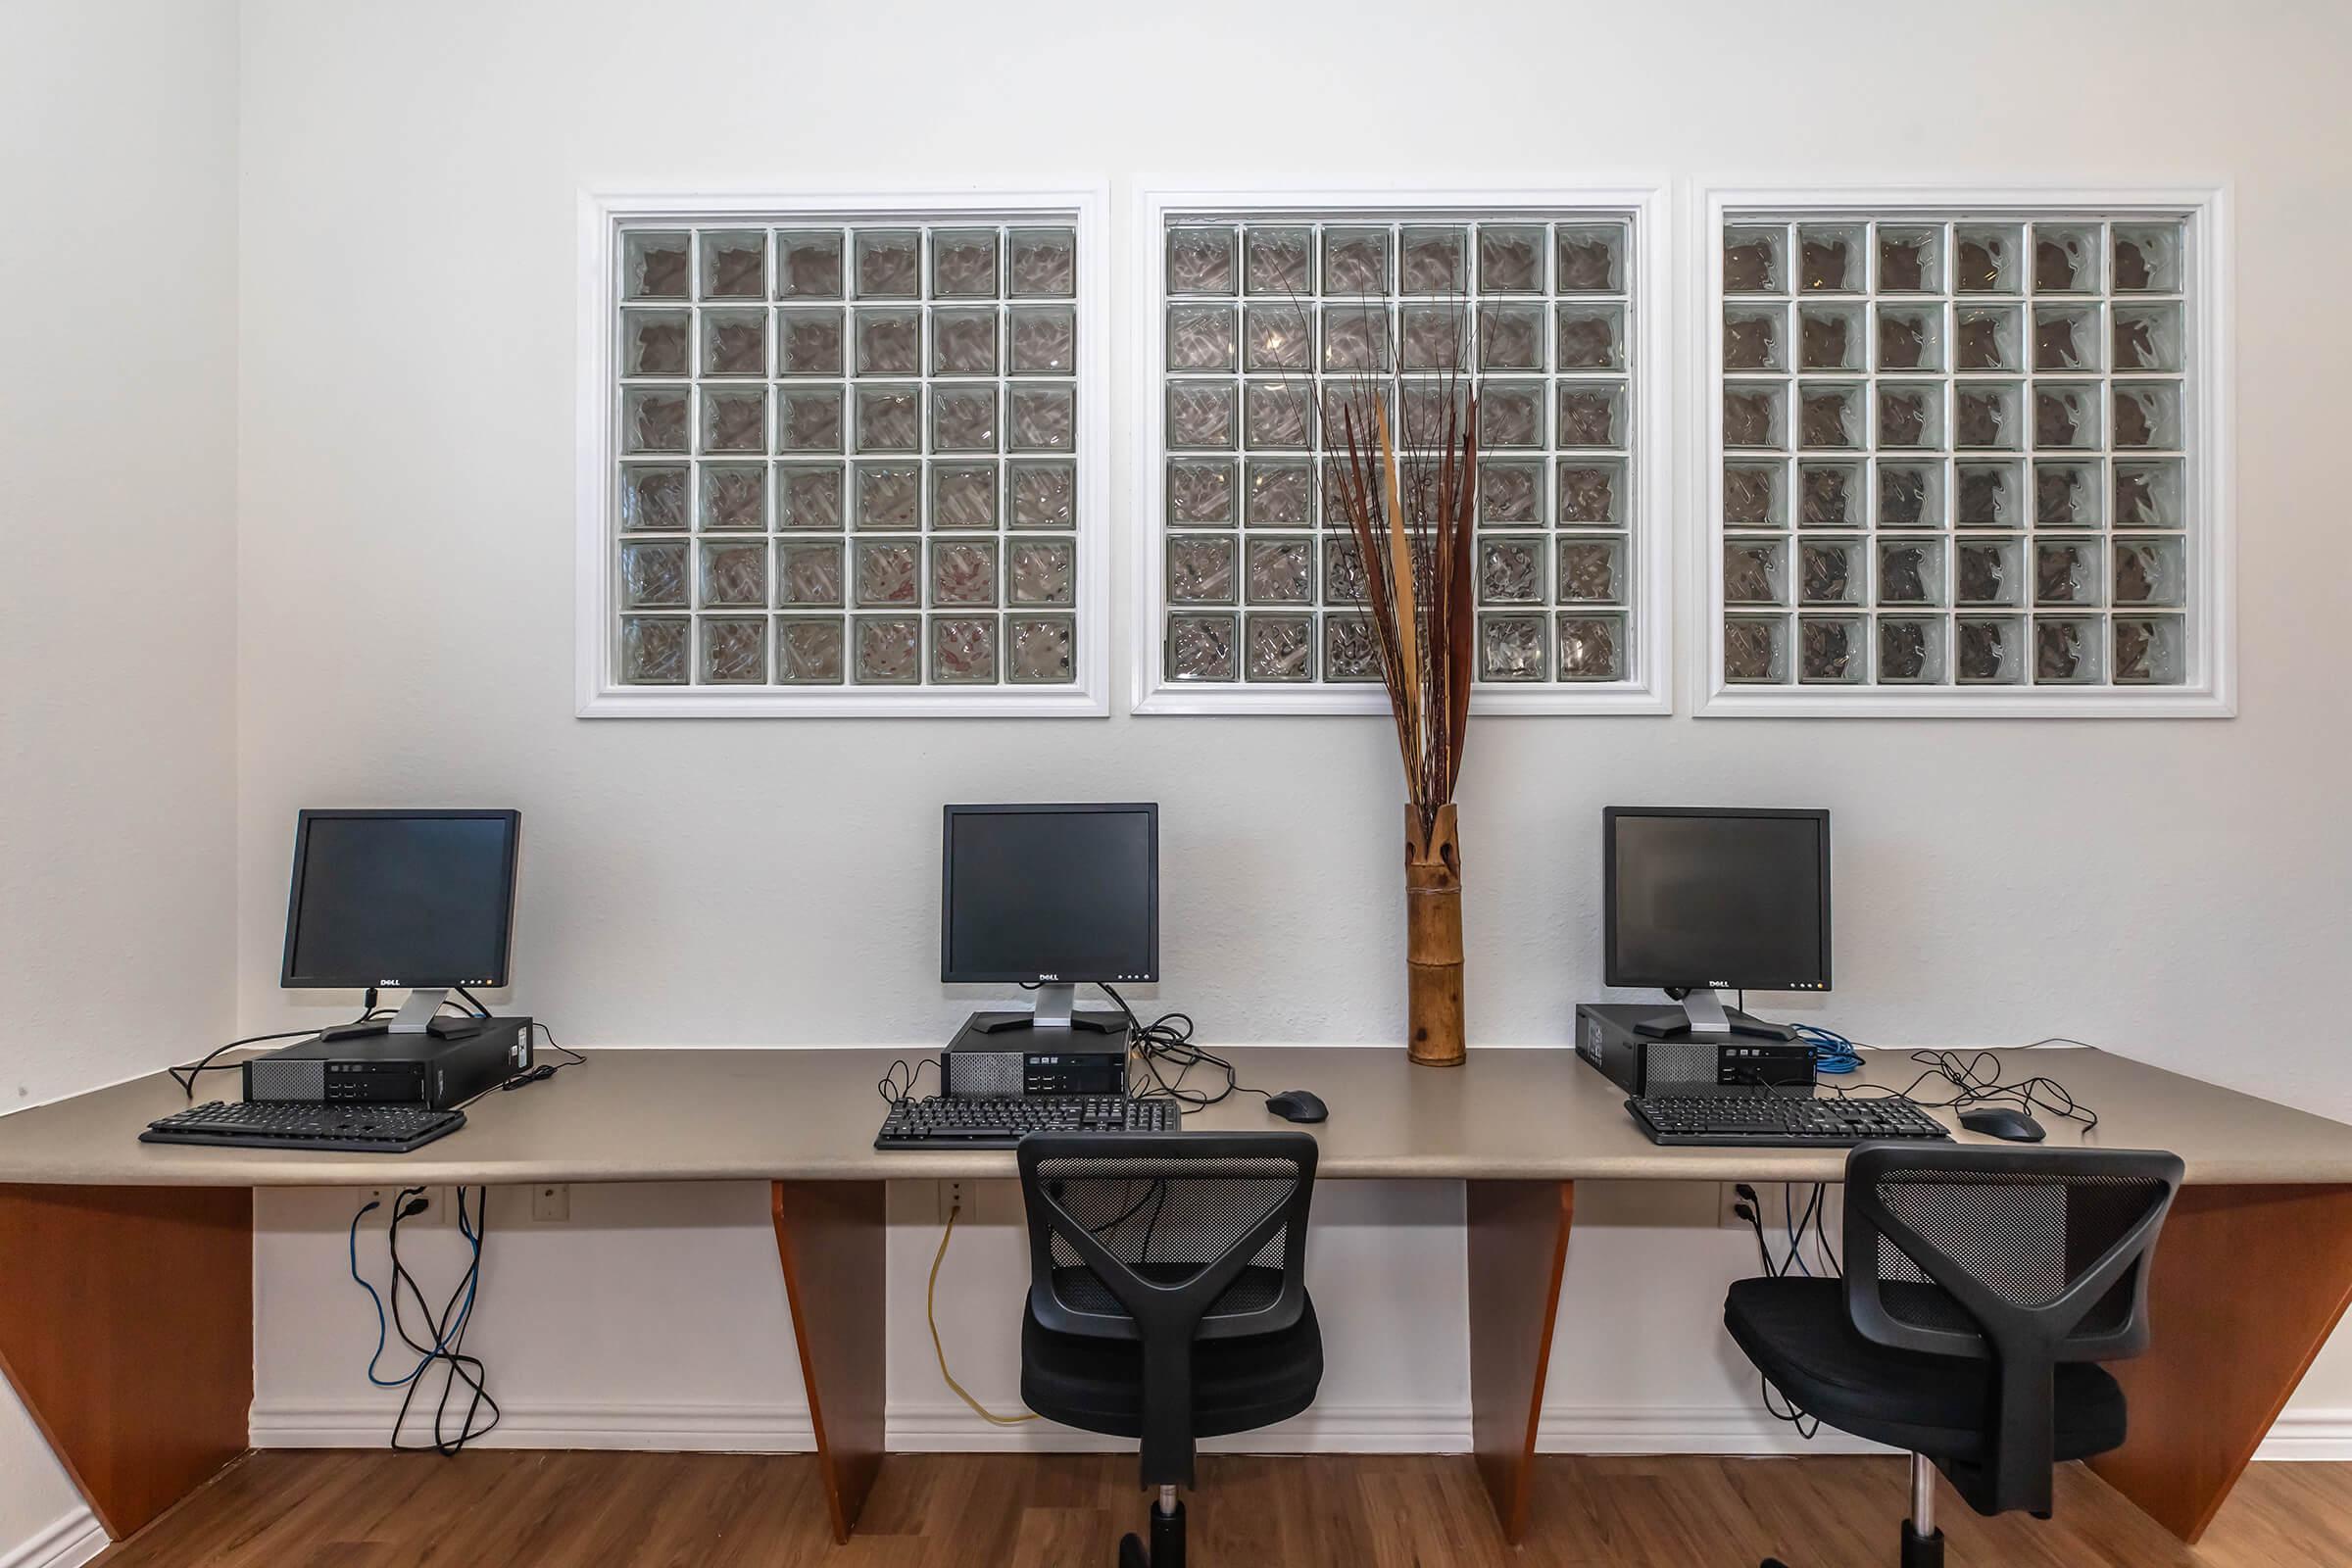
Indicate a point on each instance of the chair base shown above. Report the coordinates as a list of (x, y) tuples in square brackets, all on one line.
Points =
[(1167, 1542), (1919, 1551)]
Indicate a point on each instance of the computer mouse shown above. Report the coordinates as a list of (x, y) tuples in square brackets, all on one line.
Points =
[(2002, 1122), (1298, 1104)]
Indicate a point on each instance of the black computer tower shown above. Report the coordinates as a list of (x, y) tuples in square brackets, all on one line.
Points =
[(394, 1069), (1694, 1064)]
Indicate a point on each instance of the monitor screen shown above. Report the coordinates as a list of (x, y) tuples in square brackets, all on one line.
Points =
[(1051, 893), (1704, 898), (417, 898)]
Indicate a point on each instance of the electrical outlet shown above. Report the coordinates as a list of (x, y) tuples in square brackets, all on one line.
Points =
[(551, 1202), (1726, 1197), (954, 1196), (437, 1211)]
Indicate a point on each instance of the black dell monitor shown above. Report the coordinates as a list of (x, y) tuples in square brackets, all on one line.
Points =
[(1697, 901), (403, 898), (1052, 897)]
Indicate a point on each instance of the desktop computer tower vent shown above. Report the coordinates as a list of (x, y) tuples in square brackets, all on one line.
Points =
[(1682, 1066), (281, 1078), (985, 1074)]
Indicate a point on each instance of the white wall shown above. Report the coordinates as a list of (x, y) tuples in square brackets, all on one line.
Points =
[(409, 189), (118, 601)]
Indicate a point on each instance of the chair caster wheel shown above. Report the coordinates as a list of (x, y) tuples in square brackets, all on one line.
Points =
[(1131, 1552)]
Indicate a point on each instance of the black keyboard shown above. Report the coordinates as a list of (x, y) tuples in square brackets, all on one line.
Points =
[(950, 1122), (1781, 1121), (305, 1124)]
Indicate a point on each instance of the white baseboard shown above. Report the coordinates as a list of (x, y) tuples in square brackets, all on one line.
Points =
[(2309, 1436), (67, 1543), (647, 1428), (949, 1428)]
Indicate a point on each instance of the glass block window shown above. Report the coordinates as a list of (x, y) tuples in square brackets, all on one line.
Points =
[(1269, 316), (1962, 459), (846, 462)]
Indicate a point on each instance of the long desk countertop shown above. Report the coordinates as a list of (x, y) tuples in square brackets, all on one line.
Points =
[(653, 1115)]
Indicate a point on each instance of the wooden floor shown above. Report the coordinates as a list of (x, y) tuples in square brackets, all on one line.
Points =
[(513, 1509)]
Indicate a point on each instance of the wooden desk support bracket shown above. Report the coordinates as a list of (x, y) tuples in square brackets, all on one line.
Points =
[(831, 1236), (1518, 1250)]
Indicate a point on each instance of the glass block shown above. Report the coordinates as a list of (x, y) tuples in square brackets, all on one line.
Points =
[(2147, 415), (1990, 495), (655, 264), (1988, 651), (1510, 413), (1045, 264), (1910, 495), (1988, 415), (1356, 337), (654, 342), (1910, 337), (809, 341), (2150, 573), (889, 263), (964, 650), (1988, 338), (1510, 258), (1755, 572), (1510, 337), (809, 496), (1356, 261), (1434, 260), (734, 418), (734, 496), (1755, 495), (1201, 647), (890, 419), (654, 419), (1280, 259), (2065, 416), (1354, 407), (1910, 572), (1511, 647), (963, 342), (1593, 495), (1911, 650), (735, 576), (809, 419), (1281, 648), (1434, 337), (1200, 570), (1593, 414), (1201, 260), (964, 571), (963, 418), (1988, 571), (1910, 259), (1043, 418), (1510, 569), (963, 264), (653, 650), (2065, 337), (1045, 494), (1344, 571), (2150, 650), (1040, 650), (889, 650), (1753, 416), (1829, 417), (1199, 493), (1910, 414), (652, 498), (2066, 495), (890, 497), (1200, 337), (652, 577), (735, 265), (2148, 494), (1830, 337), (1989, 259), (2066, 571), (1201, 413), (1277, 414), (2147, 337), (2147, 258), (1831, 495), (2065, 259), (1277, 337), (963, 495), (889, 342), (890, 574), (1350, 653), (1831, 649), (1041, 571), (1591, 337), (734, 650), (1755, 337), (2066, 650), (1281, 495), (1830, 571), (808, 651), (809, 264), (1591, 647), (1832, 258), (1509, 491), (1592, 571), (1755, 260), (1590, 258), (1433, 415), (1755, 649), (1044, 339)]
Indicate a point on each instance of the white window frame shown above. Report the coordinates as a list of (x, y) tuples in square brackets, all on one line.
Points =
[(601, 209), (2212, 547), (1648, 526)]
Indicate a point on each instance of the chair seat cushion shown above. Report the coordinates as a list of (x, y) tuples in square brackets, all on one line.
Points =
[(1239, 1385), (1797, 1333)]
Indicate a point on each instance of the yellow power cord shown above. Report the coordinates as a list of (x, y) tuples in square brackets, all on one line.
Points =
[(931, 1313)]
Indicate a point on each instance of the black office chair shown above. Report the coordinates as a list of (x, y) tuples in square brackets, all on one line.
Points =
[(1981, 1286), (1167, 1296)]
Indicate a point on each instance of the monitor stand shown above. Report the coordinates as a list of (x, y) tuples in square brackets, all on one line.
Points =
[(1052, 1026), (418, 1015), (1703, 1013)]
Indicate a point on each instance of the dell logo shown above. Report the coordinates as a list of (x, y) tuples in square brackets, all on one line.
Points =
[(1048, 978)]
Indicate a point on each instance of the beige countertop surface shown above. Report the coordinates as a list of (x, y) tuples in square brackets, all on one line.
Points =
[(693, 1114)]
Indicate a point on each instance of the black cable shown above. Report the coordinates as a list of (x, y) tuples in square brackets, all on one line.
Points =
[(1166, 1042), (540, 1072), (479, 1011), (445, 1349), (1976, 1079), (186, 1076), (897, 1085)]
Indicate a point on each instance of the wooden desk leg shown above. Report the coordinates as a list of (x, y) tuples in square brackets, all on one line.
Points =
[(1518, 1248), (2247, 1283), (830, 1236), (126, 1328)]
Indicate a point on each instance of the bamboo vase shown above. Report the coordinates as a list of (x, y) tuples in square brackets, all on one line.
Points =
[(1433, 939)]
